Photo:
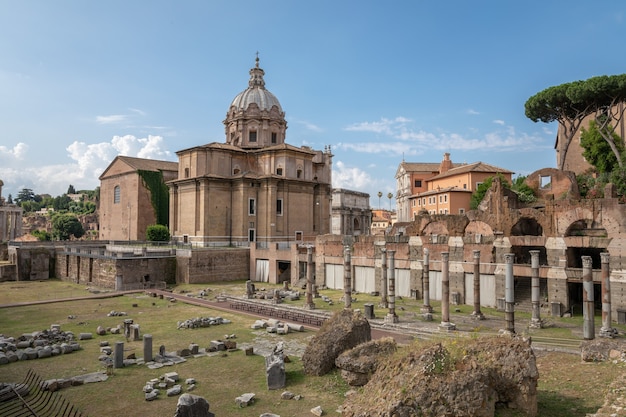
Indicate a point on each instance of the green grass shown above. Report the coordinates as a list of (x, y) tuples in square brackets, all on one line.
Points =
[(566, 386)]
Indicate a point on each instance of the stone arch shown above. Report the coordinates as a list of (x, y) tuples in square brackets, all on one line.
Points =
[(566, 218), (527, 226), (477, 227), (356, 225), (436, 228)]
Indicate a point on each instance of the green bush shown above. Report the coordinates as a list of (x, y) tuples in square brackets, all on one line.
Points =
[(157, 233)]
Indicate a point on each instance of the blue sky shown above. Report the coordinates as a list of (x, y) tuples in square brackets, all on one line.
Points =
[(84, 81)]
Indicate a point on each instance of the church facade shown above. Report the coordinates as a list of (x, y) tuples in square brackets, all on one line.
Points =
[(254, 187)]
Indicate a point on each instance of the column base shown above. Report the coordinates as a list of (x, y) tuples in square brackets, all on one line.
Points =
[(446, 326), (506, 332), (478, 316), (309, 306), (536, 324), (426, 309), (428, 316), (390, 319), (609, 332)]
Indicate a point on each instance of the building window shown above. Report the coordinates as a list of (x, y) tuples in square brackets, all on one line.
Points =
[(279, 171), (445, 198), (186, 172), (441, 199), (279, 207), (252, 136), (413, 203), (273, 137), (299, 173), (418, 183), (116, 195), (250, 235), (251, 206), (461, 211)]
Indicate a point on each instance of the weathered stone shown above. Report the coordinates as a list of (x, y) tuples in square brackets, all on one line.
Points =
[(359, 363), (344, 330), (275, 368), (152, 395), (317, 411), (245, 400), (101, 331), (488, 371), (287, 395), (85, 336), (190, 405), (599, 350), (175, 390)]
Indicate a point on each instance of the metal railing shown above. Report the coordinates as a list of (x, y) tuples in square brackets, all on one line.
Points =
[(29, 399)]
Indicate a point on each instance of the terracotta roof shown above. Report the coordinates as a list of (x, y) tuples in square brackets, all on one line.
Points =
[(474, 167)]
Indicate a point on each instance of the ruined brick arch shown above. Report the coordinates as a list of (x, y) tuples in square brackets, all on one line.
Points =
[(477, 227), (611, 225), (566, 219), (527, 226), (435, 228)]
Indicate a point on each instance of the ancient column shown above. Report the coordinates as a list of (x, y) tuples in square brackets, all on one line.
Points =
[(147, 348), (383, 284), (606, 330), (477, 314), (445, 293), (509, 295), (118, 355), (347, 277), (310, 283), (392, 317), (589, 330), (426, 308), (535, 321)]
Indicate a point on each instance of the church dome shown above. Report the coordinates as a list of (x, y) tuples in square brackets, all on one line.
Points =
[(256, 93)]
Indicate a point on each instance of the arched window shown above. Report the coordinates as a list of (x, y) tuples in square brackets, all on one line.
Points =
[(116, 194)]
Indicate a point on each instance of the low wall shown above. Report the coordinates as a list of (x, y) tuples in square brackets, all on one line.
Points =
[(197, 266)]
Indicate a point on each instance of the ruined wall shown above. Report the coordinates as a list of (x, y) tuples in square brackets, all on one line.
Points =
[(35, 263), (211, 265)]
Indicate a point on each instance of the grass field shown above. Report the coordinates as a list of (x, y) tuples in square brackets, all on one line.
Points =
[(567, 387)]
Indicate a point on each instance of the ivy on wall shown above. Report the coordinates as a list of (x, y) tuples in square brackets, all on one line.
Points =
[(159, 194)]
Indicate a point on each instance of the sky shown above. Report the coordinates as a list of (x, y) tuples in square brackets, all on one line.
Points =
[(380, 82)]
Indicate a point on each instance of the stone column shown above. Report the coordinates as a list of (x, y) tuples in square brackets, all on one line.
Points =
[(310, 282), (147, 348), (383, 284), (535, 321), (392, 316), (426, 308), (606, 330), (589, 330), (445, 293), (119, 355), (347, 277), (477, 314), (509, 294)]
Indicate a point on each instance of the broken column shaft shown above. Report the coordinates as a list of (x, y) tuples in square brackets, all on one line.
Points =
[(606, 330), (588, 302), (392, 317), (477, 314), (347, 277), (509, 294), (445, 293), (426, 308), (310, 282), (535, 321)]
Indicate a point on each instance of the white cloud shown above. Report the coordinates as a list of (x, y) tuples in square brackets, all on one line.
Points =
[(472, 112), (409, 141), (384, 126), (351, 178), (18, 151), (111, 119), (87, 162)]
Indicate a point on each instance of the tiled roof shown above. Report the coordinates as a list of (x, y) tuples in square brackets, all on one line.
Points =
[(474, 167), (149, 164)]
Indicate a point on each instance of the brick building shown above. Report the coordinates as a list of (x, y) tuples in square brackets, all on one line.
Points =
[(133, 196), (444, 188)]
